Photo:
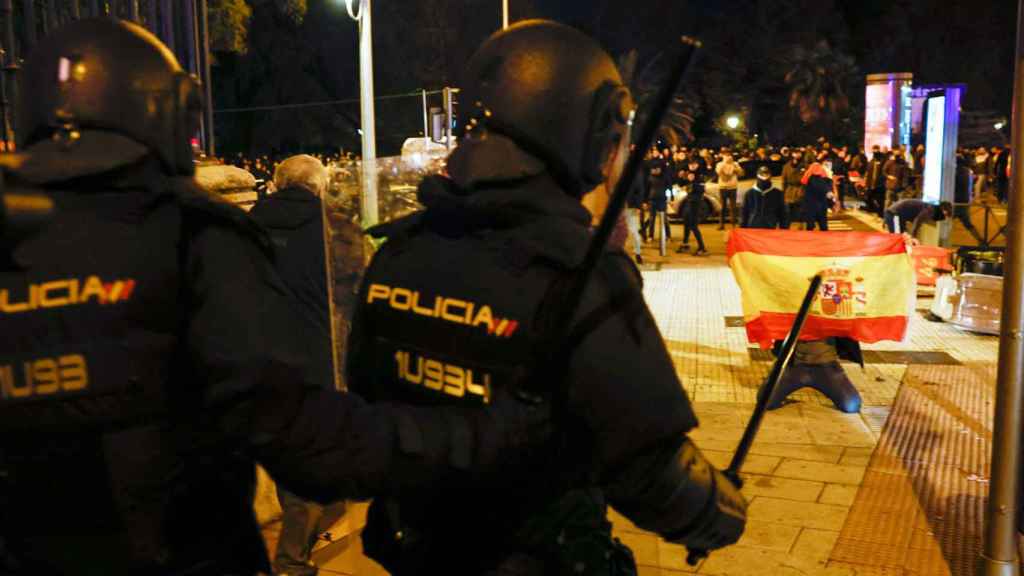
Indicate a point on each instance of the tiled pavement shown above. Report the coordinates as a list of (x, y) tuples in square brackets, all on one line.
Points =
[(806, 466)]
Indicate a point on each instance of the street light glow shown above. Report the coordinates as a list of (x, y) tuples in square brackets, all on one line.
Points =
[(999, 125), (733, 122)]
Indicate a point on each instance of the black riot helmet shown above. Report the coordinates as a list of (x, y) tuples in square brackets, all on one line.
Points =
[(555, 92), (103, 76)]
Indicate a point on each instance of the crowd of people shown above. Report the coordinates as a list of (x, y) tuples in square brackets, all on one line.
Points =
[(799, 186)]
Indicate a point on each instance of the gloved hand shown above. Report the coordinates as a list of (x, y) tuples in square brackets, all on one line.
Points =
[(723, 519), (509, 426)]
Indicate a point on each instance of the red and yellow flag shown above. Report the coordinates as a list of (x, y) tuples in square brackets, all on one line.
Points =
[(867, 291)]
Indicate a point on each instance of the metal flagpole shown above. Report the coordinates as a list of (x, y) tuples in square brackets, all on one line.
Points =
[(999, 556)]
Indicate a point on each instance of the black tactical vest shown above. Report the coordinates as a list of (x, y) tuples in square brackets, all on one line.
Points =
[(104, 465), (449, 320)]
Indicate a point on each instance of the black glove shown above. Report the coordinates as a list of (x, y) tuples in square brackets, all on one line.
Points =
[(510, 425), (723, 519)]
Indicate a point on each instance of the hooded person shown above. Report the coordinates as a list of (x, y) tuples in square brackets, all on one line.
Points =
[(764, 205), (817, 181), (460, 302)]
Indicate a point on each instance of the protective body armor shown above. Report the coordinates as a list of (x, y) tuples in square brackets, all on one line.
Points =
[(453, 307), (105, 466)]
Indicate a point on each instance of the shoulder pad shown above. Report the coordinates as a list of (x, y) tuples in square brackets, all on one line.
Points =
[(202, 208)]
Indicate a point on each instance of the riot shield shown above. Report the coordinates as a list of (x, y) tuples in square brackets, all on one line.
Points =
[(347, 248)]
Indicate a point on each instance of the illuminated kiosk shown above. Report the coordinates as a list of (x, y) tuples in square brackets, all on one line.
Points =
[(886, 121), (935, 122)]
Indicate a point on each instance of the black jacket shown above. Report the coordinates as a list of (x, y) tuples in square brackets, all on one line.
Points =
[(467, 287), (164, 363), (764, 208), (816, 193), (294, 220)]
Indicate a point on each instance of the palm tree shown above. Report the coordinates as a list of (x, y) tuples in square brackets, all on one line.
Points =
[(643, 81), (818, 81)]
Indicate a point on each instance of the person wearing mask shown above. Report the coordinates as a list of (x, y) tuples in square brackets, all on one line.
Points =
[(659, 185), (817, 181), (764, 205), (691, 209), (729, 174)]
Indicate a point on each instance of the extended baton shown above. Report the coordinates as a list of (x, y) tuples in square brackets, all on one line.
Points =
[(764, 396), (574, 292)]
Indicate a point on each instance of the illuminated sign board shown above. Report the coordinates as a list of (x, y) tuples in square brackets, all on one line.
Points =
[(934, 138), (878, 120)]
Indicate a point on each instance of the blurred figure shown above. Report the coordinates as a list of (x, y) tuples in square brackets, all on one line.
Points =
[(691, 209), (913, 214), (818, 195), (792, 183), (729, 174), (1001, 174), (764, 205), (982, 168)]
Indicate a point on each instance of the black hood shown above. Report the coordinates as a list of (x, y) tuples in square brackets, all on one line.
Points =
[(287, 209)]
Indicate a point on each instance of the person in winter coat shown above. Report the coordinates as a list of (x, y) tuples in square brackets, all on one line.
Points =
[(875, 181), (293, 217), (895, 170), (729, 174), (691, 209), (764, 205), (792, 185), (818, 195)]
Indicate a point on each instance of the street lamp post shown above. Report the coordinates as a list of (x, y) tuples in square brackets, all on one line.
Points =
[(368, 201), (999, 556), (504, 14)]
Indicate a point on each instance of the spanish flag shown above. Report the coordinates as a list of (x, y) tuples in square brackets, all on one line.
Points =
[(867, 292)]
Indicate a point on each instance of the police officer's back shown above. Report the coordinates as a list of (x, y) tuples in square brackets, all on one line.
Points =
[(457, 304), (146, 355)]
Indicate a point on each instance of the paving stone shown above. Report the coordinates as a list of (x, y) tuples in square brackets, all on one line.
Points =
[(644, 547), (840, 494), (815, 452), (673, 557), (754, 464), (776, 487), (857, 456), (769, 536), (764, 509), (814, 546), (820, 471)]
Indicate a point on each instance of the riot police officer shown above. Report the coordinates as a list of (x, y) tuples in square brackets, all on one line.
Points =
[(145, 348), (454, 308)]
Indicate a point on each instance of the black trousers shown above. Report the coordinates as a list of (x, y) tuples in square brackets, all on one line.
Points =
[(690, 222), (816, 217)]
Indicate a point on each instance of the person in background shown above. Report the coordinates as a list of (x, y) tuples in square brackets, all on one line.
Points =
[(764, 205), (982, 168), (294, 219), (1001, 174), (875, 181), (634, 213), (792, 183), (729, 174), (691, 209), (818, 195), (839, 172), (914, 213), (895, 170)]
